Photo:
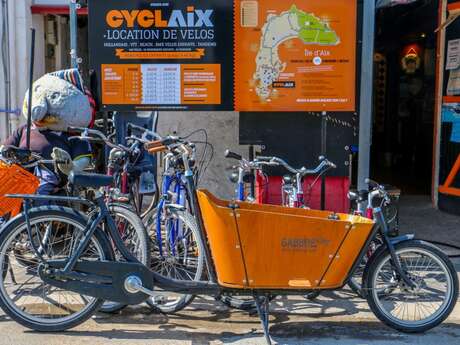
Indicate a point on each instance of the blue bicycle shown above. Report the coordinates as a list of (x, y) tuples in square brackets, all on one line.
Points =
[(173, 230)]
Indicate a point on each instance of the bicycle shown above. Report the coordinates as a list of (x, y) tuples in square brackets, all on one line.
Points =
[(362, 204), (173, 234), (399, 269), (133, 179), (245, 174)]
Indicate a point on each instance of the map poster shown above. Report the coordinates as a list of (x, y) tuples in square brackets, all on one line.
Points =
[(295, 56), (163, 55)]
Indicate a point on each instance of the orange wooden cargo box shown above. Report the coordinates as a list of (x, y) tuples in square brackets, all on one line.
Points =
[(273, 247)]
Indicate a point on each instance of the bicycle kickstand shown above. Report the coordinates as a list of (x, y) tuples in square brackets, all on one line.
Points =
[(263, 308)]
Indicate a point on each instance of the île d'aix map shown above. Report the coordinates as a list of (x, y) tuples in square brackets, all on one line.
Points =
[(299, 55)]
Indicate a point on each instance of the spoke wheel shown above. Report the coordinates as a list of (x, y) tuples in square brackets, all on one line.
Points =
[(23, 295), (181, 257), (417, 308)]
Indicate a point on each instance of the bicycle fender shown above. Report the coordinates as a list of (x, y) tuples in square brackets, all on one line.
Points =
[(402, 238)]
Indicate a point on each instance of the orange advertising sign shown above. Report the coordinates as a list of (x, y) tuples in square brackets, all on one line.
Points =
[(167, 55), (297, 56)]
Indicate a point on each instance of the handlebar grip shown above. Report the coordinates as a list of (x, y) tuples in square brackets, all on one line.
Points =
[(153, 144), (157, 149), (232, 155), (332, 165)]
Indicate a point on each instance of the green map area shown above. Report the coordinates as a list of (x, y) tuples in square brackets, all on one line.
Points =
[(312, 29)]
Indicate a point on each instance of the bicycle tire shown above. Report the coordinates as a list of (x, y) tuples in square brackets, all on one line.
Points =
[(18, 225)]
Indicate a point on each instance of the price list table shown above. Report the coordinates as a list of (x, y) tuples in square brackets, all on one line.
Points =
[(132, 81), (161, 84)]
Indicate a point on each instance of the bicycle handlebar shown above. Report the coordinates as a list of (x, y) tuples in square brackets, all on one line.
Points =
[(99, 137), (232, 155), (143, 130), (275, 161), (303, 171), (378, 191), (34, 159)]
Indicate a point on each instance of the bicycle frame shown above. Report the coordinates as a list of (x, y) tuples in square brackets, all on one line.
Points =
[(94, 222), (293, 196), (174, 228)]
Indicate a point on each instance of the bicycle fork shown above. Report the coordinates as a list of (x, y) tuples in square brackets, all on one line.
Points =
[(380, 219)]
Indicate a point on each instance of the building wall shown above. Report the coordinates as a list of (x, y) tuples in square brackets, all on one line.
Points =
[(222, 130), (20, 22)]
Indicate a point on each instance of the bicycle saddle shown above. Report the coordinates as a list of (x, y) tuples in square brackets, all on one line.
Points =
[(90, 180)]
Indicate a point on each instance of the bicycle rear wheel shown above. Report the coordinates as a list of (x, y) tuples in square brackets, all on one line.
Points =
[(23, 295)]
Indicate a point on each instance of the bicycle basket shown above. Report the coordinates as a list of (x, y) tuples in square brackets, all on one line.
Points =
[(14, 180)]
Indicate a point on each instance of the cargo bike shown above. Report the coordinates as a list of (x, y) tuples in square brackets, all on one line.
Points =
[(248, 249)]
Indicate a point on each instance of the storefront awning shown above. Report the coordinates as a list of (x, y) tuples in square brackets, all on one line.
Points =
[(54, 7)]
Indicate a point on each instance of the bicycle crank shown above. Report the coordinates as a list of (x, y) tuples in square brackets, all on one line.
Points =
[(133, 284), (123, 282)]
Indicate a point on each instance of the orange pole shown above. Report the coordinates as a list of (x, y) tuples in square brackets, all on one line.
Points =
[(438, 98), (453, 173)]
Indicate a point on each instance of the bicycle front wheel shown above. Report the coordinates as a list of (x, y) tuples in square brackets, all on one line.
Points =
[(23, 295), (417, 308)]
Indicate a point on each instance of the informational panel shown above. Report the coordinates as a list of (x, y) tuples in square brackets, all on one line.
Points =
[(173, 55), (294, 56), (244, 55), (449, 164)]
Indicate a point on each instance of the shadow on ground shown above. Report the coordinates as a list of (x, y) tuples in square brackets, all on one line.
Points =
[(334, 316)]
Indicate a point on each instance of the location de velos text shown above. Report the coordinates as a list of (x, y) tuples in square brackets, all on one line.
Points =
[(173, 34)]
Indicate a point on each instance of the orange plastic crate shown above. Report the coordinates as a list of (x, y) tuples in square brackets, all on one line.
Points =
[(15, 180)]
